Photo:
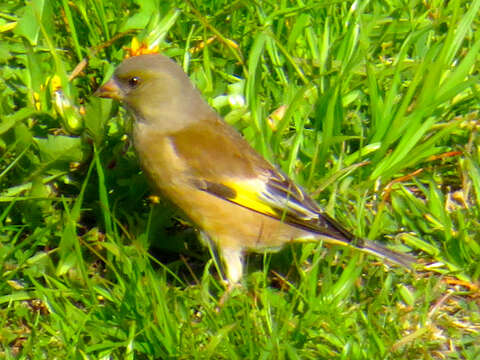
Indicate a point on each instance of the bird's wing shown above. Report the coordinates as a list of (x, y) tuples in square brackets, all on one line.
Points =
[(229, 168)]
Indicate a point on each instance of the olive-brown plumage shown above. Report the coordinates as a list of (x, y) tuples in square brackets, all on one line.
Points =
[(192, 157)]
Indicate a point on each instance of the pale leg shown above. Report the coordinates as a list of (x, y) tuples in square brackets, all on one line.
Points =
[(233, 262)]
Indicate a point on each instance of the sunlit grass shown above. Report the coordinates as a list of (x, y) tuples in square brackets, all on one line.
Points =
[(371, 106)]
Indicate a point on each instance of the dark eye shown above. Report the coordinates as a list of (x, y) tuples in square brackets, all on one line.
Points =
[(134, 81)]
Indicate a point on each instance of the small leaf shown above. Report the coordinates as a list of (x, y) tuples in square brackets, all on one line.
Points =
[(60, 148)]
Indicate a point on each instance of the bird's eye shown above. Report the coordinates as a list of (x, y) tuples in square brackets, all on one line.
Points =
[(134, 81)]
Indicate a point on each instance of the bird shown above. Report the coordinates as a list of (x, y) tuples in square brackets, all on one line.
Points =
[(238, 200)]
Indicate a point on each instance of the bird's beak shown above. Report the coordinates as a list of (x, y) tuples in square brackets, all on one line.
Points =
[(109, 90)]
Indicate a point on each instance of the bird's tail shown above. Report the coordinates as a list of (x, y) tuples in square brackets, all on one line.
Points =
[(379, 250), (334, 232)]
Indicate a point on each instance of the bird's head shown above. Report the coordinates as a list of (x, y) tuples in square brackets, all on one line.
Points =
[(156, 89)]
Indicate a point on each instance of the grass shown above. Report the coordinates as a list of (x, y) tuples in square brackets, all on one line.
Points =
[(371, 106)]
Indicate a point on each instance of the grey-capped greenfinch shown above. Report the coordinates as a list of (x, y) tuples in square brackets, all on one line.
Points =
[(237, 199)]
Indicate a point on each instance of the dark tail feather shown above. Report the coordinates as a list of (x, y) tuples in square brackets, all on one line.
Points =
[(333, 229), (376, 249)]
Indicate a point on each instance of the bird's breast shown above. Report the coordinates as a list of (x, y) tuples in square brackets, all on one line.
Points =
[(158, 157)]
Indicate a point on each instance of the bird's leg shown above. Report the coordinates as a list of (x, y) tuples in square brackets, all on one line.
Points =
[(233, 263)]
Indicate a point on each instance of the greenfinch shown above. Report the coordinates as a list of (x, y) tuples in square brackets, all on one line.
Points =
[(237, 199)]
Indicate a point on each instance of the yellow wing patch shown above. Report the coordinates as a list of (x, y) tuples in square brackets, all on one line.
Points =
[(246, 194), (287, 204)]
